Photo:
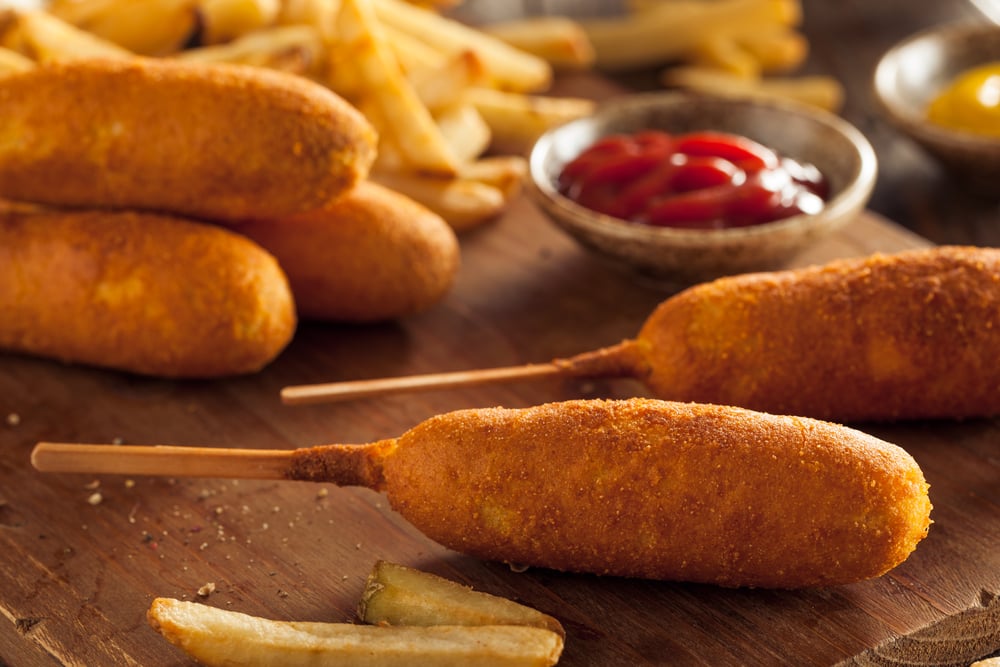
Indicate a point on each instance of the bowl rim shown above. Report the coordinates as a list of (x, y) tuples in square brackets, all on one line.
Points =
[(912, 118), (853, 193)]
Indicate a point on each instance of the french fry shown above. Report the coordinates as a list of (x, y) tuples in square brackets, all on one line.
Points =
[(225, 20), (443, 85), (504, 172), (145, 27), (819, 91), (11, 61), (320, 14), (668, 30), (412, 53), (7, 19), (723, 52), (510, 68), (435, 4), (777, 50), (80, 12), (406, 120), (463, 203), (42, 37), (465, 131), (559, 40), (298, 49), (398, 595), (219, 637), (516, 120)]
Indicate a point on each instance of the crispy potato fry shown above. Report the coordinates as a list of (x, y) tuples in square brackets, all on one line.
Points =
[(443, 85), (504, 172), (987, 662), (777, 50), (412, 53), (79, 12), (225, 20), (516, 120), (218, 637), (723, 52), (404, 119), (145, 27), (298, 49), (668, 30), (320, 14), (46, 38), (559, 40), (464, 129), (11, 61), (463, 203), (818, 91), (435, 4), (398, 595), (511, 68)]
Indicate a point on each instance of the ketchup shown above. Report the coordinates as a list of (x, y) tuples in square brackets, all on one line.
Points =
[(700, 180)]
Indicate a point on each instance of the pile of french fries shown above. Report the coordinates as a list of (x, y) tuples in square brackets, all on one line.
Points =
[(411, 618), (744, 48), (456, 108)]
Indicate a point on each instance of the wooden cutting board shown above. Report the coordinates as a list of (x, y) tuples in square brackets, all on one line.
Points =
[(78, 571)]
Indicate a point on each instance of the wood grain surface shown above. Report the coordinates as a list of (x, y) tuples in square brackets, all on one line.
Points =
[(82, 557), (77, 574)]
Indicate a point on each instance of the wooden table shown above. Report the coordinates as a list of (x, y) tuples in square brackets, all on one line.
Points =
[(77, 575)]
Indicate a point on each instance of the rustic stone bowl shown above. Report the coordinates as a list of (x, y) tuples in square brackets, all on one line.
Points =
[(914, 71), (686, 256)]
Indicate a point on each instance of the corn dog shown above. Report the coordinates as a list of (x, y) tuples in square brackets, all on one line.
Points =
[(637, 488), (219, 142), (913, 335), (652, 489), (906, 336), (139, 292), (372, 254)]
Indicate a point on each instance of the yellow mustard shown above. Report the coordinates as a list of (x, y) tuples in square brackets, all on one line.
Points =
[(971, 103)]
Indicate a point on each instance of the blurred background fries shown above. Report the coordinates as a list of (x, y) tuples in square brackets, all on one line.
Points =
[(457, 107)]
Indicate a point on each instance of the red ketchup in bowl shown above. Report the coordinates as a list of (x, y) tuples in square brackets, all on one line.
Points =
[(699, 180)]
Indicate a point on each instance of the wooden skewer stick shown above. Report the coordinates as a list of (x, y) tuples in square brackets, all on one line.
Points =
[(613, 361), (161, 460), (343, 391), (344, 465)]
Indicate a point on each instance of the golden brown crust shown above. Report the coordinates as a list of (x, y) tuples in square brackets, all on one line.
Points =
[(218, 142), (371, 255), (662, 490), (910, 335), (140, 292)]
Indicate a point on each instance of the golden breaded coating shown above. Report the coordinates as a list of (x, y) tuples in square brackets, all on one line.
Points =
[(140, 292), (370, 255), (913, 335), (649, 488), (910, 335), (220, 142)]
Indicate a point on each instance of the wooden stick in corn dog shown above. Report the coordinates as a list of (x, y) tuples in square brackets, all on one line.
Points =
[(638, 488), (219, 142), (911, 335)]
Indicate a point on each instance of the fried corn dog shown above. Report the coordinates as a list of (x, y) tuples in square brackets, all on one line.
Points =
[(905, 336), (648, 488), (219, 142), (370, 255), (912, 335), (635, 488), (140, 292)]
